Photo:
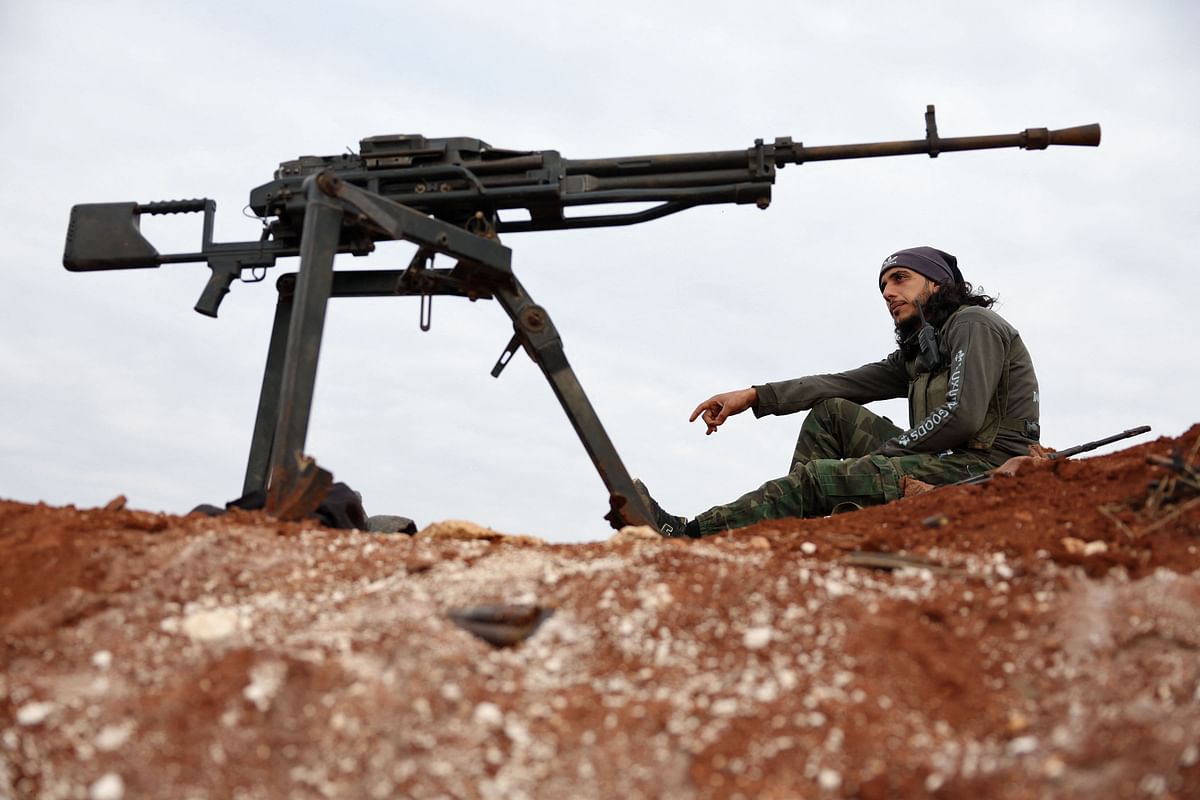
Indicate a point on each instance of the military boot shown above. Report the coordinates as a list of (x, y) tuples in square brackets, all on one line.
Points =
[(669, 525)]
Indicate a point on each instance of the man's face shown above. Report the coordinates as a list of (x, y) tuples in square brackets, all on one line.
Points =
[(902, 289)]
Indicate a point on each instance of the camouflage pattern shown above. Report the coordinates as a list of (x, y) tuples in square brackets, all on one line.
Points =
[(833, 464)]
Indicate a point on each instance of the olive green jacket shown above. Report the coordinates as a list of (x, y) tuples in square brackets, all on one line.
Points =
[(983, 395)]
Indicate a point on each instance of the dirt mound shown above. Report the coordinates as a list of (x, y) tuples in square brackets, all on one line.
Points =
[(1032, 636)]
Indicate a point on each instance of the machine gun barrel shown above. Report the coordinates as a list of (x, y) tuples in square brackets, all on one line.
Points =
[(1028, 139), (784, 151)]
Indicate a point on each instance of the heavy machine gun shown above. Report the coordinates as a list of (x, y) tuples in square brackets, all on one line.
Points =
[(451, 197)]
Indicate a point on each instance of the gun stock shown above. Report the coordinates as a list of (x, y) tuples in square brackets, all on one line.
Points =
[(103, 236), (107, 236)]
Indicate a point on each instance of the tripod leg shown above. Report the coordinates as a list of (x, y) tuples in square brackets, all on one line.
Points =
[(541, 340), (268, 398), (318, 245)]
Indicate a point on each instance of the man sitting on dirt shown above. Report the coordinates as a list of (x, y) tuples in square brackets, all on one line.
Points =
[(971, 388)]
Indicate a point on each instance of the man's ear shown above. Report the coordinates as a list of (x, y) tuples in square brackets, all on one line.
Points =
[(936, 287)]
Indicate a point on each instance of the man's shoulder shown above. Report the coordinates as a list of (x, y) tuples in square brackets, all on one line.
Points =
[(975, 315)]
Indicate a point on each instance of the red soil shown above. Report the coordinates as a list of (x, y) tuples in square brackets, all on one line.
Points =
[(1049, 649)]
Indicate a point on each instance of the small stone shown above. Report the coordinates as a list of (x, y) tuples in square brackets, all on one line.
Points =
[(1153, 785), (488, 715), (936, 521), (808, 548), (757, 638), (265, 681), (829, 779), (34, 713), (1053, 768), (635, 533), (102, 659), (1022, 745), (760, 543), (112, 737), (725, 707), (116, 504), (1078, 547), (108, 787), (1017, 722), (391, 523), (210, 625)]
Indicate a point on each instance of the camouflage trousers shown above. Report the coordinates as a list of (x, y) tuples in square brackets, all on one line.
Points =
[(833, 465)]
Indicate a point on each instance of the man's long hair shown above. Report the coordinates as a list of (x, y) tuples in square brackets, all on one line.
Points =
[(937, 309)]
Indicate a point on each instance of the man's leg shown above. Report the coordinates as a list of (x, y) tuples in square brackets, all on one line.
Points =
[(815, 487), (838, 428)]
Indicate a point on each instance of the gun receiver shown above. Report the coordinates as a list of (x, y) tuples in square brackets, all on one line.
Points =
[(451, 197)]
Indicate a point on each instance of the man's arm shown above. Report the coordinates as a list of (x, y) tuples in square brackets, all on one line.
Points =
[(882, 380)]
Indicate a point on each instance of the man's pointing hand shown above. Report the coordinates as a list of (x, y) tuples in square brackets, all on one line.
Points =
[(720, 407)]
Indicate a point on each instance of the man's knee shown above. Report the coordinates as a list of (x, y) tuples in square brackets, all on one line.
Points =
[(836, 408)]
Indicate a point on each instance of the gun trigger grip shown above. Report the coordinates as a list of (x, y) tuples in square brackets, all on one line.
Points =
[(219, 281), (509, 351)]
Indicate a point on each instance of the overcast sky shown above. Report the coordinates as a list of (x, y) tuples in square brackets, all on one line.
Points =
[(111, 384)]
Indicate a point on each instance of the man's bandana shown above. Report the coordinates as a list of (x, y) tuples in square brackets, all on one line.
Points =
[(937, 265)]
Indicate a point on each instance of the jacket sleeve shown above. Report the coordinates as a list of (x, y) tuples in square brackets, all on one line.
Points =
[(882, 380), (976, 352)]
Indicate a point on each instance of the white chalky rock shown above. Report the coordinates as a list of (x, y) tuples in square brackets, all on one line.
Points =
[(210, 625), (34, 713), (829, 779), (108, 787), (757, 638), (835, 588), (808, 548), (111, 737), (489, 715), (725, 707), (1022, 745), (102, 659), (265, 681)]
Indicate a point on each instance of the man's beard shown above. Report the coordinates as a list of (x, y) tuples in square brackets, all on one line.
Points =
[(906, 337), (907, 329)]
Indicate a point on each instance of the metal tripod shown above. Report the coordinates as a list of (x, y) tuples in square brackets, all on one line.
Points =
[(292, 483)]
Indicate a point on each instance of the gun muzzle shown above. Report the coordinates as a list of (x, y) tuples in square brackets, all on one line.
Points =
[(1079, 136)]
